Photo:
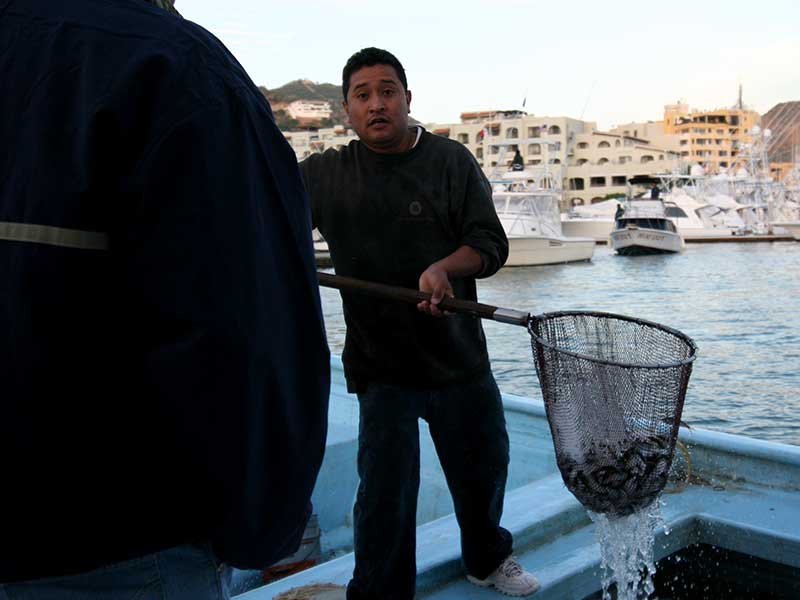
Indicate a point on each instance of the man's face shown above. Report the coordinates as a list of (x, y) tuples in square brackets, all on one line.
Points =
[(378, 107)]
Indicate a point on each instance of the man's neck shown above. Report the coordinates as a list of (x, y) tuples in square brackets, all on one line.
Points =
[(404, 145)]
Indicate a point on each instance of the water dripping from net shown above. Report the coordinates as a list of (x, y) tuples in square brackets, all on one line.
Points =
[(626, 551)]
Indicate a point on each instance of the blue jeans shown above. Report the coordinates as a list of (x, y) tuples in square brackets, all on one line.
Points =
[(189, 572), (468, 428)]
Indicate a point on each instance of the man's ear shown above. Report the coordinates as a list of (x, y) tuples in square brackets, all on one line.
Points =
[(408, 100)]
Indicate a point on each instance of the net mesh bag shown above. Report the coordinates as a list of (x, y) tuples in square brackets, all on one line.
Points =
[(613, 389)]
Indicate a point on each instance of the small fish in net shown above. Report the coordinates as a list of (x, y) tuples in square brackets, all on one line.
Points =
[(618, 478)]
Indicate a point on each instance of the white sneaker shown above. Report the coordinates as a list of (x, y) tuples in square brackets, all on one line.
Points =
[(510, 579)]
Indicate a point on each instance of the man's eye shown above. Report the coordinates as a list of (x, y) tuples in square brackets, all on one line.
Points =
[(388, 92)]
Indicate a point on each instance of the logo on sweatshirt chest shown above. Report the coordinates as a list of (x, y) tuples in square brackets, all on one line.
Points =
[(415, 208)]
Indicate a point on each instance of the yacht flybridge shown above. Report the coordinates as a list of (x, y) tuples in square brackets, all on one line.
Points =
[(642, 227), (530, 217)]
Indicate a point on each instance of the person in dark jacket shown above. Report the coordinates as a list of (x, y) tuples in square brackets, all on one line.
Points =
[(403, 207), (162, 352), (517, 163)]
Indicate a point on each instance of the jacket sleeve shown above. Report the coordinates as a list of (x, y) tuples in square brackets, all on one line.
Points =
[(217, 255), (480, 226)]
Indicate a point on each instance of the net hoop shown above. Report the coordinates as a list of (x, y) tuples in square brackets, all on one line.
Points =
[(572, 313)]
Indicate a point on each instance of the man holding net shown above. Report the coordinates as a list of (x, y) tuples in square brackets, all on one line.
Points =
[(403, 207)]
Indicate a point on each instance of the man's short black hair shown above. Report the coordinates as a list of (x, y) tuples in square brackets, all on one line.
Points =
[(369, 57)]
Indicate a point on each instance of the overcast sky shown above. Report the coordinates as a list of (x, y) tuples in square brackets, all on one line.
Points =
[(611, 62)]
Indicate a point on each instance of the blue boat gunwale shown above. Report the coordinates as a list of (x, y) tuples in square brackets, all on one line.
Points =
[(740, 481)]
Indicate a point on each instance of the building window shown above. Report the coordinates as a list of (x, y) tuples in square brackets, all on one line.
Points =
[(576, 183), (534, 132), (582, 161), (602, 161), (597, 182), (554, 130), (557, 146), (494, 149), (583, 145), (604, 144), (616, 144), (512, 133), (534, 148), (555, 161), (623, 160), (628, 143), (723, 153), (646, 159), (479, 153), (618, 180), (660, 157), (463, 138), (684, 142), (534, 161)]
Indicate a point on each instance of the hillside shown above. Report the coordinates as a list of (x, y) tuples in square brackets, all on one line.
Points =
[(784, 121), (303, 89)]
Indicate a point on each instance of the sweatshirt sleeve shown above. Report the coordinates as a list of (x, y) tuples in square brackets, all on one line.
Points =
[(218, 258), (481, 228)]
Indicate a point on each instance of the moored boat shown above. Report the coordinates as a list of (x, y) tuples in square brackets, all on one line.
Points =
[(643, 228), (530, 217)]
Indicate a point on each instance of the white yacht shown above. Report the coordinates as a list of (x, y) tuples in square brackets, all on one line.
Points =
[(530, 217), (594, 220), (791, 227), (696, 215), (642, 227)]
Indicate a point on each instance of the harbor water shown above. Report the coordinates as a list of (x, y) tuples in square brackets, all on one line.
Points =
[(740, 302)]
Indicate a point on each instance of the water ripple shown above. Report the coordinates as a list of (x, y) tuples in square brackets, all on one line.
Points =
[(739, 302)]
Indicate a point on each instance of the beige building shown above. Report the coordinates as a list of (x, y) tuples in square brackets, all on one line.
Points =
[(602, 163), (309, 109), (710, 138), (586, 164)]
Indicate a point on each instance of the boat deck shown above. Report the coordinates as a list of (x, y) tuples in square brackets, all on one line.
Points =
[(744, 496)]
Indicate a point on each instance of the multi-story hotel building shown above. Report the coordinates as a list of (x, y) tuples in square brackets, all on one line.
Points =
[(713, 139), (586, 164)]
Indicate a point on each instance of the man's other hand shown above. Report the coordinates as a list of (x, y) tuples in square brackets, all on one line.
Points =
[(434, 280)]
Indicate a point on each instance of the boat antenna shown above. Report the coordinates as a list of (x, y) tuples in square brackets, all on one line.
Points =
[(588, 96)]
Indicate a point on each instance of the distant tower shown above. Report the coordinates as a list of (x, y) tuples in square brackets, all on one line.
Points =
[(740, 105)]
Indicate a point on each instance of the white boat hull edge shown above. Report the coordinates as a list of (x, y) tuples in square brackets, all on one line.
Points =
[(646, 240), (533, 251)]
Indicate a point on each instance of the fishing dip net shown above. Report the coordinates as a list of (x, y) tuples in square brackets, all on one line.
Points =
[(613, 388)]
